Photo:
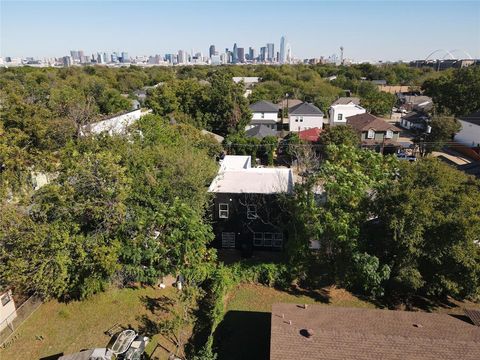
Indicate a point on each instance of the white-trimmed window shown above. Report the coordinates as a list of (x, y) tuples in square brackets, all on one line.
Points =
[(371, 134), (340, 117), (257, 239), (389, 134), (277, 240), (223, 211), (263, 115), (6, 299), (267, 239), (251, 212), (301, 118)]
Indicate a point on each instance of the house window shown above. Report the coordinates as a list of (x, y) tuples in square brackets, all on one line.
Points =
[(301, 118), (340, 117), (251, 212), (277, 240), (223, 211), (267, 239), (257, 239), (389, 134), (371, 134), (6, 299), (228, 240), (263, 115)]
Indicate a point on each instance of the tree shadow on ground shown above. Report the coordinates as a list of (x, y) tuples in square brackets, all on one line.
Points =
[(162, 303), (243, 335), (320, 295)]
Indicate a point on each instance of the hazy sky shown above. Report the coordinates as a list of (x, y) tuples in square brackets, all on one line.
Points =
[(368, 30)]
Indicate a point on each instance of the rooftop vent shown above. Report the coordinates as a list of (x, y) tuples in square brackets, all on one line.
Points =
[(308, 333)]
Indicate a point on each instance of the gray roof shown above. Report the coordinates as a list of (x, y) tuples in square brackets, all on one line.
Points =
[(346, 100), (264, 106), (305, 109), (473, 118), (379, 82), (471, 169), (260, 131), (416, 116)]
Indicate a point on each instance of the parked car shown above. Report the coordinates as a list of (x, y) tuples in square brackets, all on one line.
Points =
[(403, 156)]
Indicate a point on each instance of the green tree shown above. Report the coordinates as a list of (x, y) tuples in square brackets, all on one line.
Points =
[(457, 92)]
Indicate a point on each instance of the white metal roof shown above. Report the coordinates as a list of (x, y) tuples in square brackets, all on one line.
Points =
[(234, 177)]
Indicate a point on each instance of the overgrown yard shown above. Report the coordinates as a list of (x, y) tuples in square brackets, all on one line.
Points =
[(57, 328), (245, 331)]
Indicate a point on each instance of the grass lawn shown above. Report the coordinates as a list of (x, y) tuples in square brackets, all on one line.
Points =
[(245, 331), (57, 328)]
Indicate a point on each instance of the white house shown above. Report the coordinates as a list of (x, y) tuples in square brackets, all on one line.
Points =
[(305, 116), (264, 113), (415, 120), (342, 108), (469, 134), (7, 308)]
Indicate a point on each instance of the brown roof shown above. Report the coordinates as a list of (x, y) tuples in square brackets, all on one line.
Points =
[(473, 315), (346, 100), (291, 103), (361, 334), (366, 121)]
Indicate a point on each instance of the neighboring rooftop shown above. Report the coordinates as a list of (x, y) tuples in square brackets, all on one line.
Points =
[(346, 101), (311, 135), (416, 116), (288, 103), (237, 176), (264, 106), (327, 332), (260, 131), (473, 118), (366, 121), (305, 108), (247, 80), (471, 169)]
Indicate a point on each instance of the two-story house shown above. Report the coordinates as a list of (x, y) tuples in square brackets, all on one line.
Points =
[(305, 116), (264, 113), (246, 208), (342, 108), (374, 133)]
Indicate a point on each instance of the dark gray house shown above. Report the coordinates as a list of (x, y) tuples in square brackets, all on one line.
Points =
[(246, 207)]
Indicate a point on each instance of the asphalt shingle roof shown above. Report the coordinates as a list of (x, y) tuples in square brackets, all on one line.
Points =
[(346, 100), (366, 121), (366, 334), (260, 131), (305, 109), (263, 106), (473, 118)]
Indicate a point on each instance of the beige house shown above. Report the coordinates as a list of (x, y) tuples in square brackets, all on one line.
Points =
[(7, 308)]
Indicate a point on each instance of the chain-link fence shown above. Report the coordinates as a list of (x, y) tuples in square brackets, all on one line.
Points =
[(10, 325)]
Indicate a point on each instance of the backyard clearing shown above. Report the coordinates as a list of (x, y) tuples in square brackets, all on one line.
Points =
[(57, 328)]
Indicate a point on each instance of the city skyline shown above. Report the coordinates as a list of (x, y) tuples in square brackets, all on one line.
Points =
[(409, 30)]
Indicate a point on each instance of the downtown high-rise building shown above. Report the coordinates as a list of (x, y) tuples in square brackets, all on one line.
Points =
[(270, 52), (283, 50), (263, 53), (211, 51), (235, 54), (241, 54)]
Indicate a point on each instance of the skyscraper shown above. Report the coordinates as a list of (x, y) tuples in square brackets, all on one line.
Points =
[(235, 54), (211, 51), (251, 53), (263, 53), (125, 57), (270, 52), (241, 55), (283, 50)]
